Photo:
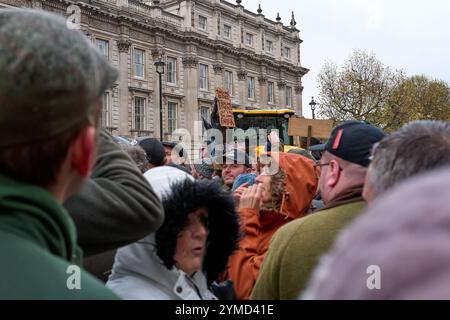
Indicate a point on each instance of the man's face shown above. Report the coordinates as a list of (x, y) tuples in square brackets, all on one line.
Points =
[(231, 171), (168, 151)]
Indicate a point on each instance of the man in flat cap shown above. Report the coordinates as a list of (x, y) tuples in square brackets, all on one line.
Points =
[(51, 83)]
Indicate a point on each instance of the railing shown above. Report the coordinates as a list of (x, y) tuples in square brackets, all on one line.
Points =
[(172, 19), (146, 9)]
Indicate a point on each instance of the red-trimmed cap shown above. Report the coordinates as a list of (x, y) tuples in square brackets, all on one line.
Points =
[(353, 141)]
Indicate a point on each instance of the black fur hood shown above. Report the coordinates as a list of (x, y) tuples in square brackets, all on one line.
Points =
[(224, 233)]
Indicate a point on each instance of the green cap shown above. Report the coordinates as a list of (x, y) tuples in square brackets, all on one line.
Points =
[(51, 76)]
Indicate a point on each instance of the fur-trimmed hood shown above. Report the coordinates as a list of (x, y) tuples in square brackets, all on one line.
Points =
[(146, 270), (187, 196)]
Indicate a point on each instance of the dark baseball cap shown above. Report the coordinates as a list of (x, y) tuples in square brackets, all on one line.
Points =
[(154, 150), (353, 141)]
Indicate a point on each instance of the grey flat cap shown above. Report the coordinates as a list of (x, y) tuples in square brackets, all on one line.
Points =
[(51, 77)]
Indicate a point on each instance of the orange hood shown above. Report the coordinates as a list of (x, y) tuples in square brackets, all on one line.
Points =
[(301, 184)]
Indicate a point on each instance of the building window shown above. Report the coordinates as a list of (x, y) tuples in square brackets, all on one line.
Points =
[(171, 70), (203, 77), (139, 113), (269, 46), (171, 117), (251, 88), (228, 80), (249, 39), (287, 52), (138, 60), (227, 31), (289, 96), (106, 111), (202, 22), (103, 46), (270, 93), (204, 113)]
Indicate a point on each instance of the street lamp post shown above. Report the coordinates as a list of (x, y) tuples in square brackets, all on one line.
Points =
[(159, 64), (313, 106)]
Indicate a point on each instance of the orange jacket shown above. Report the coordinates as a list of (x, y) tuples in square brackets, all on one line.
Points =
[(259, 227)]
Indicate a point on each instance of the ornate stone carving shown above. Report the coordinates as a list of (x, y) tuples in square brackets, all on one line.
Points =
[(281, 84), (298, 89), (242, 74), (157, 53), (17, 3), (218, 68), (193, 14), (123, 45), (262, 80), (190, 62)]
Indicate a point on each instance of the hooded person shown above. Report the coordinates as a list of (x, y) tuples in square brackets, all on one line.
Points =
[(273, 201), (182, 259)]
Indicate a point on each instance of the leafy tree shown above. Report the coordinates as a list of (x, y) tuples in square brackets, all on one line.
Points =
[(364, 89)]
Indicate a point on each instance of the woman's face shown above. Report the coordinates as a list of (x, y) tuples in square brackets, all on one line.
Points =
[(191, 242), (264, 179)]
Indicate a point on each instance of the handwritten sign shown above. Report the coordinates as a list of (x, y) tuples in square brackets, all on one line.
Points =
[(224, 108)]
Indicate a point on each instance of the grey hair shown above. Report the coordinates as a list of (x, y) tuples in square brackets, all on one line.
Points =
[(138, 155), (416, 147)]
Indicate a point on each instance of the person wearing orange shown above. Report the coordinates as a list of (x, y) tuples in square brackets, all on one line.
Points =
[(275, 199)]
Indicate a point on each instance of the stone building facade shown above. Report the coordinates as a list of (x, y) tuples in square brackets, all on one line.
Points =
[(205, 44)]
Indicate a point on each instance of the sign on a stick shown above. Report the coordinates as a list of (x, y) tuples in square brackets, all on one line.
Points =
[(224, 108)]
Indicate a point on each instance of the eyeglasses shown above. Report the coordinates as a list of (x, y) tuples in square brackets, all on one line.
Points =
[(317, 164)]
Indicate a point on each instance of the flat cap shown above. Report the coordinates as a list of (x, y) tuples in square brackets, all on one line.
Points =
[(51, 76)]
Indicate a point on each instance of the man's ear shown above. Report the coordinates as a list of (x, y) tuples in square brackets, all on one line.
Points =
[(83, 151), (334, 173)]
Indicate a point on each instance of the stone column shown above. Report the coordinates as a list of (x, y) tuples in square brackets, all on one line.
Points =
[(191, 80), (281, 102), (299, 105), (262, 90), (123, 45), (242, 78), (218, 72)]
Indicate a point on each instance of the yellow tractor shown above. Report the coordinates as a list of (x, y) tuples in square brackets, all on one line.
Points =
[(267, 119)]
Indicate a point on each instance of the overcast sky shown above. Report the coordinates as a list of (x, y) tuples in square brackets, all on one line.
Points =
[(410, 35)]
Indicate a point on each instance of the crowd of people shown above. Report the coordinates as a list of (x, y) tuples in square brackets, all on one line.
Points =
[(144, 223)]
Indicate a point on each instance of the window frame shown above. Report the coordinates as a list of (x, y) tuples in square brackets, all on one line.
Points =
[(267, 46), (251, 39), (288, 98), (270, 95), (251, 88), (200, 17), (106, 114), (142, 120), (174, 71), (231, 31), (141, 65), (97, 40), (206, 78), (208, 114), (286, 52), (230, 87), (172, 121)]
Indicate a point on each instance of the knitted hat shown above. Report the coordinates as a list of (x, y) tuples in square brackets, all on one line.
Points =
[(52, 78), (205, 169)]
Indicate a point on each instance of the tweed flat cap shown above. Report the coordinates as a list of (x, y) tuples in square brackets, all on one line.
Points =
[(51, 76)]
